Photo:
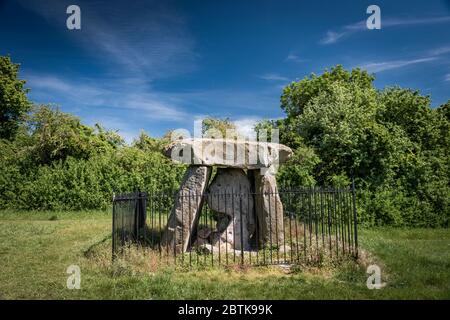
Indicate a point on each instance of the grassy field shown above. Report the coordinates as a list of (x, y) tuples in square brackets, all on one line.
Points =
[(37, 247)]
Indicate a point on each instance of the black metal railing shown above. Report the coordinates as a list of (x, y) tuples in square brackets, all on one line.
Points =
[(129, 220), (289, 226)]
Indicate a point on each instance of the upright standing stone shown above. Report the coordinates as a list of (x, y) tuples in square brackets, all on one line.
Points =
[(269, 210), (183, 219), (231, 201)]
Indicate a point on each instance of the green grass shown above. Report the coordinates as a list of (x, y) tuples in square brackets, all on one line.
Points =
[(37, 247)]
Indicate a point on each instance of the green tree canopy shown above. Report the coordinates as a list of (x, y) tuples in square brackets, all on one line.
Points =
[(222, 126), (56, 135), (394, 144), (297, 95), (14, 103)]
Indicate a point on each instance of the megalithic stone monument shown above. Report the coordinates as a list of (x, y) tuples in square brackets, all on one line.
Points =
[(240, 214)]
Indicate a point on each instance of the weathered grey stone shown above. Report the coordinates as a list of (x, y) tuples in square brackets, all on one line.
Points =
[(232, 203), (223, 249), (228, 153), (204, 233), (218, 237), (199, 242), (207, 248), (284, 248), (269, 210), (183, 219)]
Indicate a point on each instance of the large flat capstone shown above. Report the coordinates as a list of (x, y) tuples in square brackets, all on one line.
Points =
[(228, 153)]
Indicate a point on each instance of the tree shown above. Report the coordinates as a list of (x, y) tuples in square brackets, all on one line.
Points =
[(335, 114), (444, 110), (222, 126), (297, 95), (146, 143), (393, 143), (411, 111), (56, 135), (14, 103)]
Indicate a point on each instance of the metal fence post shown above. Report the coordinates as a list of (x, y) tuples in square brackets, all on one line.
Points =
[(355, 219), (113, 234)]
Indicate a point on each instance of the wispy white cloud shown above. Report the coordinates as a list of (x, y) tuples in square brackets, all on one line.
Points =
[(273, 77), (447, 77), (128, 107), (429, 56), (294, 58), (393, 64), (226, 102), (392, 22), (56, 84), (133, 51), (150, 41), (132, 45), (333, 36), (151, 105), (440, 50)]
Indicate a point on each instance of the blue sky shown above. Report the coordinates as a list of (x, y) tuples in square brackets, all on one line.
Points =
[(159, 65)]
